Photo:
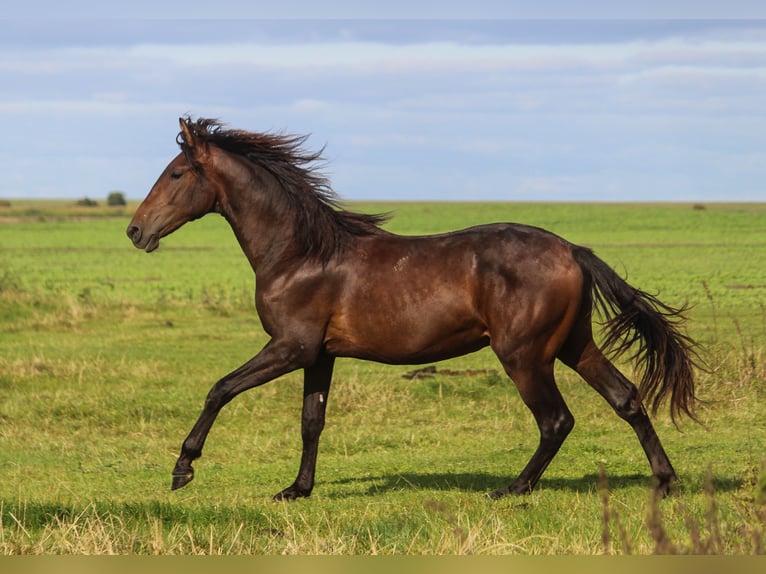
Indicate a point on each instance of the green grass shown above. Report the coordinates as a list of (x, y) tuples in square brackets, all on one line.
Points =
[(107, 354)]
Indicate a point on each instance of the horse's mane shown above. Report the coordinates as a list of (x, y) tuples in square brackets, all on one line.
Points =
[(322, 227)]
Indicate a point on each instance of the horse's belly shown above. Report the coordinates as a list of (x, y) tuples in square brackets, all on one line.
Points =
[(407, 342)]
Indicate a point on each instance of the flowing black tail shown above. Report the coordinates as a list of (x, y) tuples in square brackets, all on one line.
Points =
[(634, 316)]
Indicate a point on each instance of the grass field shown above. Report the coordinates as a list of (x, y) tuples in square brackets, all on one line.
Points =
[(106, 354)]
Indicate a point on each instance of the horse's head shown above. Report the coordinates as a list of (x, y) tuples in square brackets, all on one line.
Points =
[(184, 192)]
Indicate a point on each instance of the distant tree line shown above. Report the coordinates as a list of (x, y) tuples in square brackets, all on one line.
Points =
[(115, 198)]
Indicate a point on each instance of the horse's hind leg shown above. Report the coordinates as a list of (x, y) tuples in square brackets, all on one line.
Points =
[(538, 390), (624, 398)]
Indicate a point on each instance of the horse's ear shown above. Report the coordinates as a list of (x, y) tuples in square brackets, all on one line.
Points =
[(191, 144), (187, 136)]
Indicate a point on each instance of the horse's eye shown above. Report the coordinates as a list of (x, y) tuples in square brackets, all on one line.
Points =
[(176, 175)]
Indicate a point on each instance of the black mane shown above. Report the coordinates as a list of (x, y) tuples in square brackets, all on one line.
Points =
[(323, 228)]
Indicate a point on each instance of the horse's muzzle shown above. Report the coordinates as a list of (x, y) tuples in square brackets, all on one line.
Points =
[(148, 243)]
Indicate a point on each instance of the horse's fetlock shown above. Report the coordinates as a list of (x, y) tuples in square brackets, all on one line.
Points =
[(189, 453)]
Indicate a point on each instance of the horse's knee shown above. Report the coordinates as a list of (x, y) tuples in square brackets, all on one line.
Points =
[(557, 428), (564, 425)]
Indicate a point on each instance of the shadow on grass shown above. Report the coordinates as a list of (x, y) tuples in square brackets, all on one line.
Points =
[(129, 518), (35, 515), (487, 482), (40, 514)]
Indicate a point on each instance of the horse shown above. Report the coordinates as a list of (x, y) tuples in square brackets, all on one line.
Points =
[(330, 282)]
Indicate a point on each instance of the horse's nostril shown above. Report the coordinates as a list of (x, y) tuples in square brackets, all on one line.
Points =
[(134, 232)]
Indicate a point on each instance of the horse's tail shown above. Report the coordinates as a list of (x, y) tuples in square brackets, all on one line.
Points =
[(634, 316)]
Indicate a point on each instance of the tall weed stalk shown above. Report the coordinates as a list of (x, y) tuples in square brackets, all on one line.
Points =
[(710, 534)]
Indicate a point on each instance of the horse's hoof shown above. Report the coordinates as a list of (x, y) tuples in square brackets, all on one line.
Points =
[(514, 489), (498, 494), (291, 493), (182, 478), (664, 490), (664, 487)]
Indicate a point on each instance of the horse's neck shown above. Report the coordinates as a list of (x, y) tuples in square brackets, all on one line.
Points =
[(263, 236)]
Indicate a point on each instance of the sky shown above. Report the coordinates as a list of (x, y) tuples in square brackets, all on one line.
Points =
[(407, 108)]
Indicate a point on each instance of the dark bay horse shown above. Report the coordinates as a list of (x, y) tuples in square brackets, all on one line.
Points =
[(331, 283)]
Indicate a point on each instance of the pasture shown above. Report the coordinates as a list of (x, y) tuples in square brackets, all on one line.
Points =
[(107, 353)]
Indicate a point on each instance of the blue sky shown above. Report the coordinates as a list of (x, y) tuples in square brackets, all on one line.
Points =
[(453, 109)]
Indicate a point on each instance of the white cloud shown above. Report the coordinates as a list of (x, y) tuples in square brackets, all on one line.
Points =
[(446, 118), (368, 56)]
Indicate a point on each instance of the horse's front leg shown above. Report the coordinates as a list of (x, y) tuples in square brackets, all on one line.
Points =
[(316, 387), (275, 359)]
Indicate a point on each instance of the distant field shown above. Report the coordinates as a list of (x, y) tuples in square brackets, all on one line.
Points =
[(106, 354)]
